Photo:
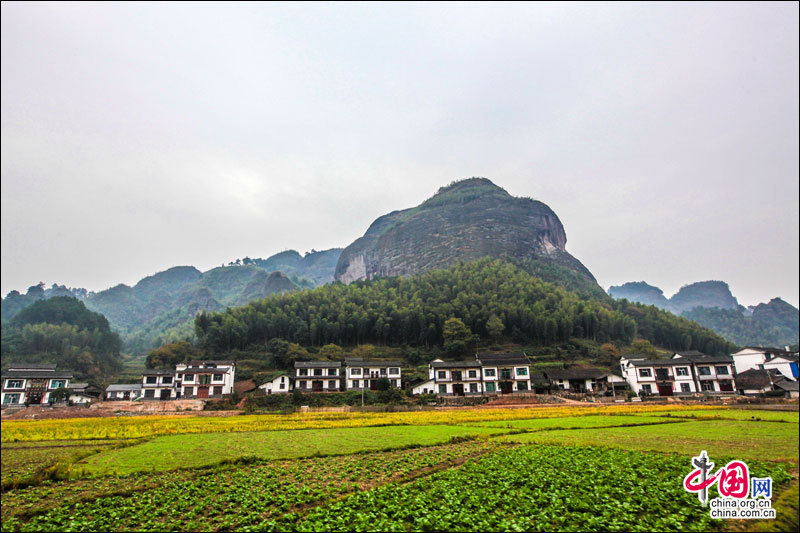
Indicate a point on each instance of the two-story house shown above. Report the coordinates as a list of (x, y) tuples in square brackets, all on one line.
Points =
[(364, 374), (505, 373), (205, 379), (159, 385), (685, 373), (124, 391), (32, 383), (758, 358), (318, 376), (458, 378)]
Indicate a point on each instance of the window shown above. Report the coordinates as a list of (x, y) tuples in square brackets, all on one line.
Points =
[(57, 383), (490, 372), (149, 393), (442, 389), (490, 387), (394, 371), (317, 371), (704, 371), (522, 371), (355, 371), (188, 377), (442, 374), (682, 371), (332, 384), (151, 380), (522, 385), (188, 391), (218, 377), (382, 371), (217, 390), (395, 383), (282, 385), (685, 387), (647, 389), (11, 398), (505, 373), (721, 370), (473, 387), (166, 380), (473, 373), (356, 383), (205, 379), (332, 372), (707, 386), (14, 384), (645, 373), (302, 371), (304, 384)]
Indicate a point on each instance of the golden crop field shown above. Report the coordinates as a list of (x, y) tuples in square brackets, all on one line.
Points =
[(148, 426)]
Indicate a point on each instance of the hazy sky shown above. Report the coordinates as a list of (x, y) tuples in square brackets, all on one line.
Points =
[(139, 137)]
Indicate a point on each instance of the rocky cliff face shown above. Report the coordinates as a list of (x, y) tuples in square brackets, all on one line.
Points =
[(639, 291), (466, 220), (703, 294)]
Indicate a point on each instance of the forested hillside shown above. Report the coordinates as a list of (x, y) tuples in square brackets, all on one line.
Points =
[(413, 310), (61, 330)]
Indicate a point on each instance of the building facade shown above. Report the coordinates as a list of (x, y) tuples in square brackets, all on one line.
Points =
[(124, 391), (32, 383), (681, 375), (205, 379), (281, 384), (158, 385), (485, 374), (318, 376), (364, 374), (758, 358)]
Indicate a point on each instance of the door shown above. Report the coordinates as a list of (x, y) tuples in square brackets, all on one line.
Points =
[(126, 395), (665, 389), (202, 392), (458, 389), (373, 384), (506, 387), (316, 386), (166, 394), (726, 385)]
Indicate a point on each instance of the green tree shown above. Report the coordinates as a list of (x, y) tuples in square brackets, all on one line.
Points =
[(643, 347), (495, 327), (331, 352), (59, 395), (457, 336)]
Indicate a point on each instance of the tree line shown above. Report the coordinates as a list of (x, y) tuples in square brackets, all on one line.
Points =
[(491, 297)]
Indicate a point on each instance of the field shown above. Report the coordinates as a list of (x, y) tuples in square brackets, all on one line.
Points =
[(615, 468)]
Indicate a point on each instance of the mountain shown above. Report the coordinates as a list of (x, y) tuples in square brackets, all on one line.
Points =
[(711, 304), (463, 221), (639, 291), (703, 294), (63, 331), (317, 266)]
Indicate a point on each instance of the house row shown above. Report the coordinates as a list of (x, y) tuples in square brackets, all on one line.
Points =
[(32, 383), (684, 373), (335, 376)]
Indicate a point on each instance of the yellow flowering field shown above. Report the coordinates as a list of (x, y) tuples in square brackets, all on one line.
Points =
[(147, 426)]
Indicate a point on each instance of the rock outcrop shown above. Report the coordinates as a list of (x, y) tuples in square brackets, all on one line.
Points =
[(466, 220)]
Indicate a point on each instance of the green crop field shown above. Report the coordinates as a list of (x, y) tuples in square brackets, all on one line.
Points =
[(588, 469)]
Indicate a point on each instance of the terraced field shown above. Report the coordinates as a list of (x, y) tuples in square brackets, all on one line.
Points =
[(589, 469)]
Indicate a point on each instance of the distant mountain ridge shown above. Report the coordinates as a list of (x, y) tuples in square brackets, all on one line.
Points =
[(711, 304), (160, 308), (464, 221)]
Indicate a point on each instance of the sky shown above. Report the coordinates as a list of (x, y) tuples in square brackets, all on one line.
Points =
[(136, 137)]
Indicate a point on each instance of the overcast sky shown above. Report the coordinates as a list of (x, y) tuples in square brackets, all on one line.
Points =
[(140, 137)]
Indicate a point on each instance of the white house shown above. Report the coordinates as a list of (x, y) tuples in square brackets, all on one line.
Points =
[(426, 387), (158, 385), (685, 373), (29, 383), (205, 379), (759, 358), (457, 378), (361, 373), (124, 391), (318, 376), (505, 373), (280, 384), (79, 393)]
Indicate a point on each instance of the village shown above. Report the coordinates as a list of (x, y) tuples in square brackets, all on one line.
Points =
[(752, 371)]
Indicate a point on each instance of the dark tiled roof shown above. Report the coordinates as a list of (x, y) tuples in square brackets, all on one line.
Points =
[(500, 359), (158, 372), (787, 385), (456, 364), (754, 379), (77, 385), (711, 359), (37, 374), (574, 373), (660, 362), (124, 387), (31, 366), (208, 361), (371, 363), (317, 364), (203, 371)]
